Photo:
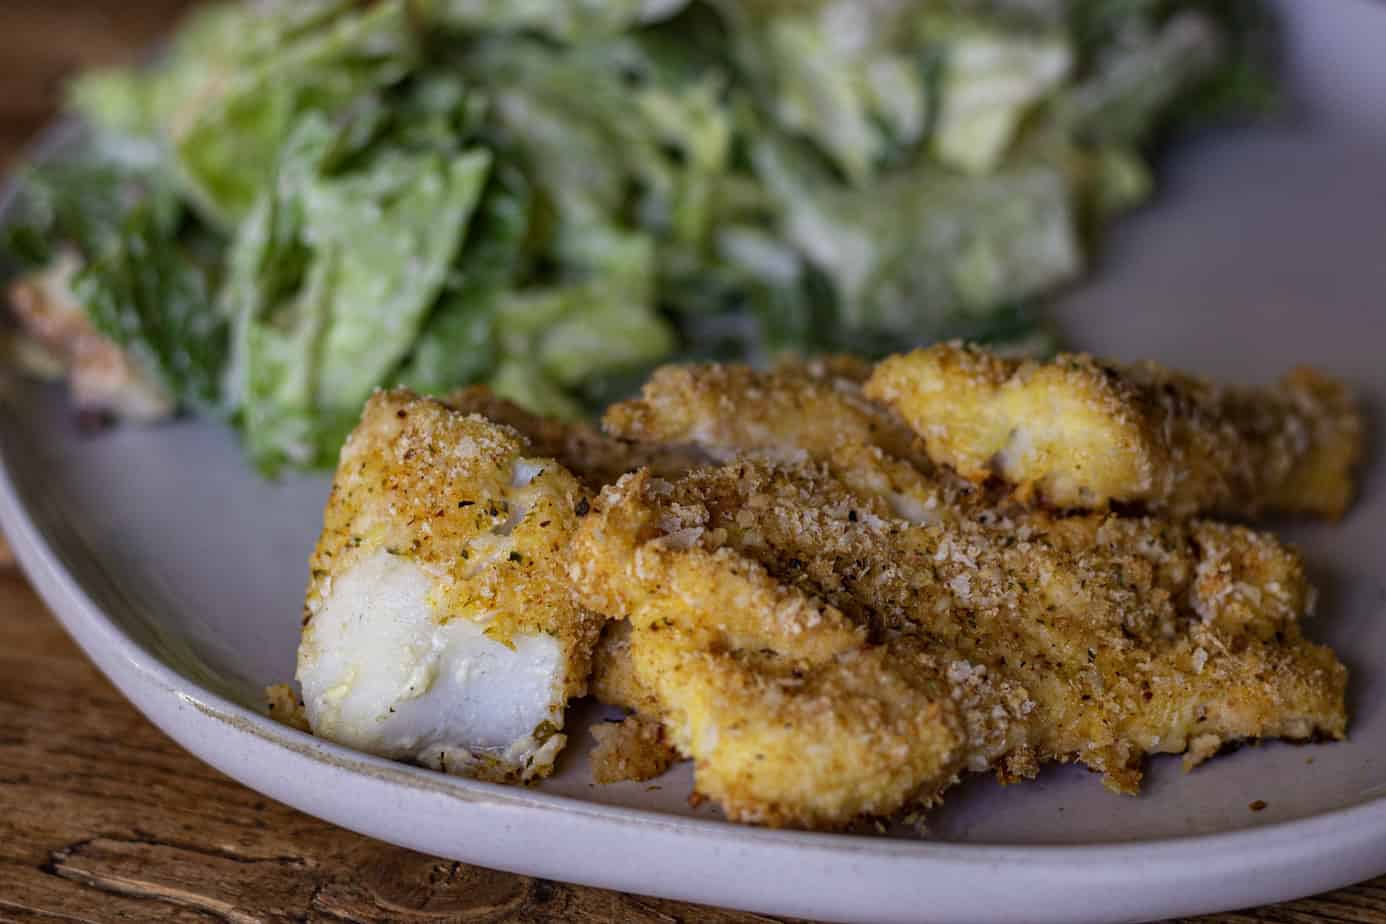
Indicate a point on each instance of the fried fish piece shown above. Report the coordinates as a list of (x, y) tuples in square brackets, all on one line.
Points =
[(1080, 433), (1094, 638), (439, 625), (799, 410), (791, 716), (598, 459), (594, 457)]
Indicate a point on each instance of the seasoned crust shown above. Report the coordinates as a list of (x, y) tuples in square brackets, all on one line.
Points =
[(831, 626), (779, 741), (790, 716), (1080, 433), (285, 707), (595, 458), (426, 493), (1097, 639), (798, 410), (802, 410), (614, 680), (443, 489)]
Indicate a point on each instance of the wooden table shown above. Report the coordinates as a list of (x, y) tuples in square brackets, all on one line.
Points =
[(103, 818)]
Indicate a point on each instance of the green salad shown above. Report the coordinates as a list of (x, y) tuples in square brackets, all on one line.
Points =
[(301, 202)]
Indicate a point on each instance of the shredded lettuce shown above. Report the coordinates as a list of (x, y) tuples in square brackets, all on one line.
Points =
[(79, 202), (602, 323), (371, 248), (233, 79), (458, 345), (301, 201), (150, 294), (1122, 101), (143, 272), (989, 80), (923, 249), (846, 75)]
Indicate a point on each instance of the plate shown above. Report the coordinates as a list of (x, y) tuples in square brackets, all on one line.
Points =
[(181, 574)]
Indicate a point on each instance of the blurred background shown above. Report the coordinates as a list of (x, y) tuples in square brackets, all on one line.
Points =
[(76, 34)]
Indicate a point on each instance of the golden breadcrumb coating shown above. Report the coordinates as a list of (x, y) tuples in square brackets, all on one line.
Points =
[(917, 494), (1092, 638), (802, 410), (835, 368), (634, 749), (453, 494), (595, 458), (614, 681), (798, 410), (830, 625), (439, 487), (1081, 433), (791, 717)]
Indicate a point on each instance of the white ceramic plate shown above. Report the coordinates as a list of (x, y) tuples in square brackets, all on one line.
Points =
[(181, 574)]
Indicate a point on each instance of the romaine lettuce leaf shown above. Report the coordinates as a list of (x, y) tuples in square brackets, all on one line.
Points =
[(526, 385), (80, 201), (397, 228), (332, 278), (840, 73), (989, 79), (601, 322), (601, 140), (922, 248), (281, 421), (549, 196), (1136, 80), (151, 296), (1119, 181), (458, 345), (601, 332), (144, 272), (226, 128)]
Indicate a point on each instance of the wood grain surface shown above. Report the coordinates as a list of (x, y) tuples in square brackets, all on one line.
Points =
[(103, 818)]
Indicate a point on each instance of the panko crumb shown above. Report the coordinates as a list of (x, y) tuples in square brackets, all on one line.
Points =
[(285, 707), (634, 749)]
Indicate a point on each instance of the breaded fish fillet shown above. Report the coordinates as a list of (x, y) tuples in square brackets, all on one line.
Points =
[(799, 411), (796, 411), (439, 625), (1081, 433), (791, 716), (1094, 638), (595, 458)]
